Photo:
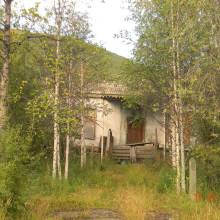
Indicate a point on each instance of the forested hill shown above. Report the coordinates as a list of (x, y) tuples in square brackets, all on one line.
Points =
[(115, 62)]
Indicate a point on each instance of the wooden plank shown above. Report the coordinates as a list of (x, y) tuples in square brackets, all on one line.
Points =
[(145, 150), (120, 148), (121, 145), (121, 154), (122, 158), (139, 144), (145, 147), (111, 144), (121, 151), (108, 140), (152, 152), (126, 155), (133, 154), (104, 142), (145, 156)]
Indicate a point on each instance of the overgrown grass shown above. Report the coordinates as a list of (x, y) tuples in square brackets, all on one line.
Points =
[(137, 191)]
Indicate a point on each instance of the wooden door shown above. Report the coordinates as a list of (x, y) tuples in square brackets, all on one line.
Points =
[(135, 131)]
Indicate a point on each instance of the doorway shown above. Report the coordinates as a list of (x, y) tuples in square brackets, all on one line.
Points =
[(135, 130)]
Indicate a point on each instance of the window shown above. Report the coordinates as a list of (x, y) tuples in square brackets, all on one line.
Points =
[(90, 123)]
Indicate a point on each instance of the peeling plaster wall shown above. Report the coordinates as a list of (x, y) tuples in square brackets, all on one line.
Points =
[(110, 120), (155, 121), (116, 120)]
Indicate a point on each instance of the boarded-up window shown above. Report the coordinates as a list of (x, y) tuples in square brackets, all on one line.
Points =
[(90, 123)]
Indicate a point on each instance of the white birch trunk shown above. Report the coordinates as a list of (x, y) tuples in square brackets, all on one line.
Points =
[(55, 150), (58, 156), (181, 138), (82, 141), (56, 153), (176, 109), (177, 157), (165, 142), (173, 145), (183, 175), (174, 128), (83, 148), (67, 151), (68, 128), (5, 65)]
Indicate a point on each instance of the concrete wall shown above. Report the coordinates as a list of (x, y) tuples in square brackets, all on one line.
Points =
[(116, 120), (155, 121)]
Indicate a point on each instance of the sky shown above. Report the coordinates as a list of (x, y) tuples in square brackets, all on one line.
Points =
[(107, 19)]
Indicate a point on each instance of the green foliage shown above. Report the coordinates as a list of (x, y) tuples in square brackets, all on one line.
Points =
[(166, 180), (208, 166), (207, 127), (15, 166), (115, 63), (190, 65)]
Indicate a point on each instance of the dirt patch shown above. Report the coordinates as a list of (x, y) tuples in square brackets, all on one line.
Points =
[(98, 214), (159, 215), (105, 214)]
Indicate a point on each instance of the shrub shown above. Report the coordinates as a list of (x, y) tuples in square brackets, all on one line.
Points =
[(166, 179), (15, 161), (208, 166)]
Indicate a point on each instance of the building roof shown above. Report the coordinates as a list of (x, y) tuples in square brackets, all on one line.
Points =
[(107, 89)]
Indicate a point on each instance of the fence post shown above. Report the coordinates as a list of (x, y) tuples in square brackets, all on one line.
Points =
[(133, 154), (192, 178)]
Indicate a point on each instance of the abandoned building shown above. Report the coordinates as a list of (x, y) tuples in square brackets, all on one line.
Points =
[(106, 112)]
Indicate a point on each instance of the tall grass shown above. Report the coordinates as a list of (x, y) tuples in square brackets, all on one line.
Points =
[(136, 191)]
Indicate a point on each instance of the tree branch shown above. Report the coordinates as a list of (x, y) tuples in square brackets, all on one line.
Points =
[(19, 43), (2, 53), (30, 37)]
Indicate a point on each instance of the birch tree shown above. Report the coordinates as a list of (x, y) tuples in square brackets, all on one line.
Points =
[(168, 64), (56, 152), (7, 48), (5, 67)]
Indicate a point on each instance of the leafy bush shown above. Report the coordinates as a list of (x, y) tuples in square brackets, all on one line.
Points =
[(15, 161), (166, 180), (208, 166)]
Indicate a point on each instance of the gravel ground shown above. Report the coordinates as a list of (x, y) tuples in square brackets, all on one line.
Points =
[(105, 214)]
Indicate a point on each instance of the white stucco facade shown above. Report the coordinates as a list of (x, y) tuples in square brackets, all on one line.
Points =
[(116, 120)]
